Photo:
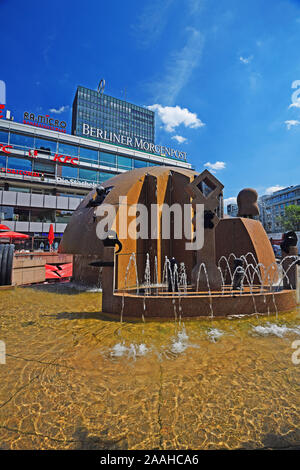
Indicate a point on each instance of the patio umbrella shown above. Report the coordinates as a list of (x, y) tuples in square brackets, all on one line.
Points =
[(13, 235), (51, 235), (4, 227)]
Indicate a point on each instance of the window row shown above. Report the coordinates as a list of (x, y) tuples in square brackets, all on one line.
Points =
[(49, 169), (11, 186), (83, 153), (35, 215), (95, 97)]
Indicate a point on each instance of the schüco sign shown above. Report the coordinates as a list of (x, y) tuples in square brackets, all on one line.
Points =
[(134, 142), (45, 121)]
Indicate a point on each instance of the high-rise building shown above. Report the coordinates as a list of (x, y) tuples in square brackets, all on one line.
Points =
[(111, 116), (46, 172), (272, 207)]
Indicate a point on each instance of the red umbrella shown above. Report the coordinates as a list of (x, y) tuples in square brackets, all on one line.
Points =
[(51, 235), (4, 227), (13, 235)]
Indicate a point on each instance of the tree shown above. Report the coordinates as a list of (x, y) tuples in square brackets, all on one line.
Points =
[(291, 218)]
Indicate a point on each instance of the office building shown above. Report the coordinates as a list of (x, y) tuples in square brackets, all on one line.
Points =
[(232, 210), (112, 116), (273, 206), (45, 173)]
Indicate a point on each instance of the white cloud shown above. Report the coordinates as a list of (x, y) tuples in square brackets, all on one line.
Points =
[(174, 116), (295, 98), (195, 6), (60, 110), (229, 200), (180, 139), (291, 123), (254, 80), (179, 68), (213, 167), (246, 60), (272, 189), (152, 21), (295, 105)]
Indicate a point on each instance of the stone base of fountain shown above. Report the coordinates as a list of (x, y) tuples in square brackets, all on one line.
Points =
[(193, 305)]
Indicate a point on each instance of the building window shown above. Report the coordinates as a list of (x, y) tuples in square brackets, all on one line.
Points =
[(14, 214), (139, 163), (21, 140), (48, 146), (67, 149), (63, 217), (3, 137), (124, 163), (19, 164), (6, 213), (42, 215), (46, 168), (69, 172), (89, 175), (2, 161), (105, 176), (19, 189), (108, 159), (89, 155)]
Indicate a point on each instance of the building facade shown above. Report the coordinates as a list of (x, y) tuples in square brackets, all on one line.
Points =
[(273, 206), (111, 115), (44, 174), (232, 210)]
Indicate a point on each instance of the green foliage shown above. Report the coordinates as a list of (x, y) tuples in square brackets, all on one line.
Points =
[(291, 218)]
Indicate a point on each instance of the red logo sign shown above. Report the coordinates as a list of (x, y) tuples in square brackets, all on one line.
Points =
[(34, 154), (20, 172), (4, 147), (65, 159), (44, 121), (2, 106)]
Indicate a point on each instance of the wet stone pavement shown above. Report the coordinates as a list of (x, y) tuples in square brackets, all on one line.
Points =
[(77, 379)]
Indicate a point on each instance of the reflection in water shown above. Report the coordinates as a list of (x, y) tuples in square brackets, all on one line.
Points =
[(77, 379)]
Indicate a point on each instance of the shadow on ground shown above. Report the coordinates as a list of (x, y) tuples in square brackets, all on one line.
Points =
[(288, 441), (83, 316), (86, 441), (63, 288)]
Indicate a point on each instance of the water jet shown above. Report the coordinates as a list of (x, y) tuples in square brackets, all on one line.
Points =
[(233, 273)]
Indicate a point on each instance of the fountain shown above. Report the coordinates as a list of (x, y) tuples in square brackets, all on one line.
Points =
[(234, 273)]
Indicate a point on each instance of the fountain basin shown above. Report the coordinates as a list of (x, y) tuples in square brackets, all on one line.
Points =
[(196, 305)]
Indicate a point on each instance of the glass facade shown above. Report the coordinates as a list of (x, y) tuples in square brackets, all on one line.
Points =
[(43, 144), (44, 175), (112, 115), (100, 160), (18, 214)]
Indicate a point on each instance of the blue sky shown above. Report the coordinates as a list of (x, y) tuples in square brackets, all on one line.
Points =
[(218, 73)]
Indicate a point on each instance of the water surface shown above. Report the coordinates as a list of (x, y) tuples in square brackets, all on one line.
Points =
[(77, 379)]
